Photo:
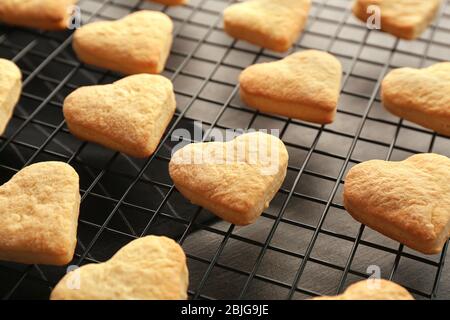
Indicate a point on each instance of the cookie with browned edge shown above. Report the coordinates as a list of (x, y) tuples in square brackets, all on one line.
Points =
[(372, 289), (137, 43), (129, 115), (40, 14), (304, 85), (408, 201), (39, 209), (235, 180), (10, 89), (271, 24), (148, 268), (406, 19), (420, 95)]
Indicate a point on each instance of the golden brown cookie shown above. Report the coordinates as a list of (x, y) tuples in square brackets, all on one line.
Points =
[(271, 24), (149, 268), (304, 85), (170, 2), (420, 95), (129, 115), (40, 14), (372, 289), (138, 43), (235, 180), (408, 201), (39, 214), (406, 19), (10, 89)]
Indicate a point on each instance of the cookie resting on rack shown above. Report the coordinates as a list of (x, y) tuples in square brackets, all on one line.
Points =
[(420, 95), (408, 201), (129, 115), (10, 89), (236, 180), (372, 289), (304, 85), (39, 14), (137, 43), (148, 268), (406, 19), (39, 213), (271, 24)]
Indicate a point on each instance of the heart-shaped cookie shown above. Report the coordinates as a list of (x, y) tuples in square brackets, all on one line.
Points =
[(10, 89), (408, 201), (236, 180), (40, 14), (372, 289), (271, 24), (129, 115), (39, 213), (149, 268), (406, 19), (138, 43), (420, 95), (304, 85)]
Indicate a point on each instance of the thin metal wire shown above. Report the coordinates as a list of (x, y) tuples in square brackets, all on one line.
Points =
[(52, 131)]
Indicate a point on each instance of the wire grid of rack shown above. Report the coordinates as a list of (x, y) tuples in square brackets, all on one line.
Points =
[(305, 244)]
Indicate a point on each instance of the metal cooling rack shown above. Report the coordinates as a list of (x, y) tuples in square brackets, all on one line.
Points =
[(305, 244)]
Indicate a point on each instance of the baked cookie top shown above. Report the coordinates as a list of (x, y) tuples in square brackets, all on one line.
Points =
[(408, 201), (372, 289), (426, 90), (10, 75), (130, 112), (277, 22), (403, 18), (240, 176), (148, 268), (137, 43), (308, 77), (45, 14), (38, 214)]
